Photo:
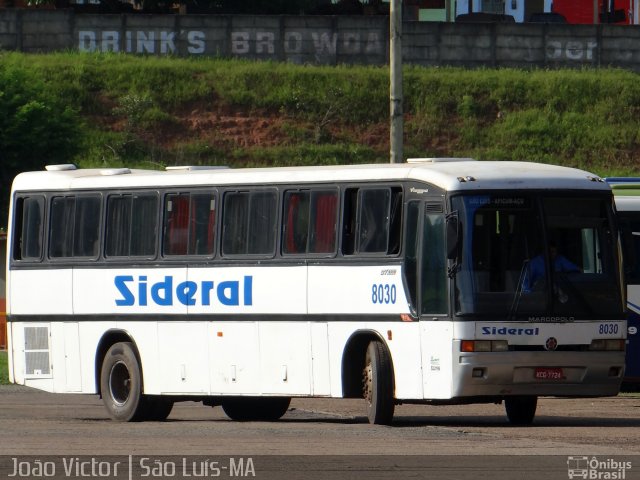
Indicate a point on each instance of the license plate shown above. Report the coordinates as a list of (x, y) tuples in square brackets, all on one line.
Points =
[(548, 374)]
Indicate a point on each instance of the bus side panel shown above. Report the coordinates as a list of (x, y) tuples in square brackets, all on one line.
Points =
[(11, 359), (264, 289), (285, 358), (320, 359), (42, 348), (228, 290), (632, 362), (234, 358), (339, 334), (128, 291), (15, 347), (403, 341), (41, 292), (632, 368), (72, 363), (376, 289), (145, 337), (437, 358), (65, 357), (91, 332), (32, 361), (183, 348)]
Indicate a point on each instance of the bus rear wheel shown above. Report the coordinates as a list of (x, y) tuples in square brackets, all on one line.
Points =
[(255, 408), (521, 409), (377, 384), (121, 383)]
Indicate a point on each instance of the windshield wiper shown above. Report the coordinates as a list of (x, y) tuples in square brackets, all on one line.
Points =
[(519, 290), (561, 279)]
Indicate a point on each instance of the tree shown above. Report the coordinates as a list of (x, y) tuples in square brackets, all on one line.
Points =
[(36, 129)]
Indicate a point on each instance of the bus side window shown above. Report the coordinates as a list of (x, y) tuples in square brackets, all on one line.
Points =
[(296, 218), (189, 224), (234, 223), (262, 223), (434, 265), (411, 250), (86, 232), (61, 226), (324, 214), (131, 225), (349, 221), (310, 218), (29, 219), (176, 224), (372, 221), (249, 223), (144, 225), (202, 224), (395, 222), (75, 226), (118, 226)]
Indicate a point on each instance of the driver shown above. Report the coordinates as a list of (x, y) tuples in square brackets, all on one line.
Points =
[(537, 266)]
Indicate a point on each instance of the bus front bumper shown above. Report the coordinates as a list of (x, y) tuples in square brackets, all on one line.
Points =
[(573, 374)]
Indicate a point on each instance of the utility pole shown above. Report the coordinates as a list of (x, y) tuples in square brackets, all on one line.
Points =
[(395, 82)]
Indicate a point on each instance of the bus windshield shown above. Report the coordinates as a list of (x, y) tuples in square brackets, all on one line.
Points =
[(530, 256)]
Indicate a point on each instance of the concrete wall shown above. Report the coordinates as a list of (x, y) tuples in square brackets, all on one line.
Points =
[(318, 40), (323, 40)]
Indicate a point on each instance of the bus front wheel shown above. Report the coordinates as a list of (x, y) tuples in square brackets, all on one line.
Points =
[(521, 409), (121, 383), (377, 384)]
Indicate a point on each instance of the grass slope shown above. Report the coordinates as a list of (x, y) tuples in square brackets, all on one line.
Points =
[(158, 111)]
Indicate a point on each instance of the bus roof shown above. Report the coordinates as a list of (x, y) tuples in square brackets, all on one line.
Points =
[(448, 174)]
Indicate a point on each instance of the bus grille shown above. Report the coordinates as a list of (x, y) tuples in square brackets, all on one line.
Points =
[(36, 351), (540, 348)]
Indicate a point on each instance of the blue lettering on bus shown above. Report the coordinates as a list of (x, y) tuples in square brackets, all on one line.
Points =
[(163, 293), (510, 331)]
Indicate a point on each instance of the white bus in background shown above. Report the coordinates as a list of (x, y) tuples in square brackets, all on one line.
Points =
[(626, 191), (406, 283)]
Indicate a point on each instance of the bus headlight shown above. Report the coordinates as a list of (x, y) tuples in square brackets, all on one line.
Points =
[(499, 346)]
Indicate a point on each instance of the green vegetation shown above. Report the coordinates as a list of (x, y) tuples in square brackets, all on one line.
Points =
[(4, 368), (119, 110)]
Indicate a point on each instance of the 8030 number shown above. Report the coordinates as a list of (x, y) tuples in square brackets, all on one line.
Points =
[(383, 293)]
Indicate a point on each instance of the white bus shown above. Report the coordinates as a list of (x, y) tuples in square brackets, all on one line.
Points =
[(626, 191), (406, 283)]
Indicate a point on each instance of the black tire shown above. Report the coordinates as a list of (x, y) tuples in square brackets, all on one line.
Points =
[(121, 383), (521, 410), (157, 408), (255, 408), (377, 384)]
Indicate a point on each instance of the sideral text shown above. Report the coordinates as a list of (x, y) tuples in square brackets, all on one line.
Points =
[(139, 291)]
